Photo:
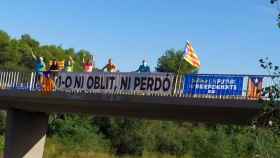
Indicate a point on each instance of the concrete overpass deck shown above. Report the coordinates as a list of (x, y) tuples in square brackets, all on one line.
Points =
[(235, 111)]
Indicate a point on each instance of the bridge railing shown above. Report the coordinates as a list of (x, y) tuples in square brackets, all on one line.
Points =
[(221, 86), (227, 86), (17, 80)]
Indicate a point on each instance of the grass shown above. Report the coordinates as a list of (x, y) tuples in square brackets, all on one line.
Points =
[(54, 149)]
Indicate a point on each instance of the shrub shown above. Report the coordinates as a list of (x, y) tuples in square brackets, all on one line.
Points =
[(125, 134), (77, 133)]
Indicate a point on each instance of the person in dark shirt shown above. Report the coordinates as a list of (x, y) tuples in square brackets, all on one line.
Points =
[(143, 67), (54, 66), (54, 69)]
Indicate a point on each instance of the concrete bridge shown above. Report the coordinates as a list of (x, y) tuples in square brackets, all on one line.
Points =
[(28, 108)]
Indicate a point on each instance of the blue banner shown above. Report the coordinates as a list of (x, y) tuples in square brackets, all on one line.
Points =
[(213, 85), (25, 87)]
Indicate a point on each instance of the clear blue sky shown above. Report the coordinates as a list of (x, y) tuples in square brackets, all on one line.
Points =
[(229, 36)]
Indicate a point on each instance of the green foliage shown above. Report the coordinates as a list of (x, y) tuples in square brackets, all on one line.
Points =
[(77, 134), (171, 60), (2, 122), (250, 143), (15, 54), (4, 43), (125, 134), (166, 137), (275, 2), (4, 40), (270, 117), (266, 144)]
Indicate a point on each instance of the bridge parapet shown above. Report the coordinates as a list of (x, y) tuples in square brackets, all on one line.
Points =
[(216, 86)]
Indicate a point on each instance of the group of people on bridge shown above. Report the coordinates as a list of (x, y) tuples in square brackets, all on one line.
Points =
[(46, 73)]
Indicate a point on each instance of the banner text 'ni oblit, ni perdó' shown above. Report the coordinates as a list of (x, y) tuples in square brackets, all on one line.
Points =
[(100, 82)]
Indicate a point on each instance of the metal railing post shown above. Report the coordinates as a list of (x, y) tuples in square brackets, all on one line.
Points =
[(31, 81), (1, 79)]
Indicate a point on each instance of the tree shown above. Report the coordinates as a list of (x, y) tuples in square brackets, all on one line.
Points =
[(75, 128), (4, 40), (276, 2), (126, 135), (15, 54), (170, 62), (30, 41), (4, 44), (270, 117)]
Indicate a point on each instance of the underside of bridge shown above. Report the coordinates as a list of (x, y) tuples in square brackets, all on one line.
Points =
[(28, 113), (151, 107)]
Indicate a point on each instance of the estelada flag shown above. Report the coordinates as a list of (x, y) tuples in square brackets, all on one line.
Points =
[(190, 56), (59, 63), (254, 87)]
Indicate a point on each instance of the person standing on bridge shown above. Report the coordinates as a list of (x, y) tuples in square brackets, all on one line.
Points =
[(110, 67), (54, 69), (40, 67), (69, 65), (88, 64), (143, 67), (54, 66), (48, 84)]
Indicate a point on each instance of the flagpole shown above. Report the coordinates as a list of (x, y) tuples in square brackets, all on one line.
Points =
[(180, 64), (179, 68)]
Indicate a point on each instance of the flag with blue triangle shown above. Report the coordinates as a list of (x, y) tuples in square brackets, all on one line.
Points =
[(254, 87)]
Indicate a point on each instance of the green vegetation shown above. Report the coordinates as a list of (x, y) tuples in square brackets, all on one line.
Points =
[(15, 54), (84, 136), (276, 3), (171, 60), (169, 139)]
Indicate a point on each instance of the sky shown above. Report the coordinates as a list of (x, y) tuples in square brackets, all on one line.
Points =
[(229, 36)]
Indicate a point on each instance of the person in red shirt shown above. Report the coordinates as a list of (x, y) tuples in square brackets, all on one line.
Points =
[(88, 65)]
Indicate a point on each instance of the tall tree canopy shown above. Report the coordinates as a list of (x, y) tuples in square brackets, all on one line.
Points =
[(170, 62), (15, 54), (276, 2)]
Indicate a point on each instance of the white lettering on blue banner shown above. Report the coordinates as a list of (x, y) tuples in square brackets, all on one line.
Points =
[(214, 85)]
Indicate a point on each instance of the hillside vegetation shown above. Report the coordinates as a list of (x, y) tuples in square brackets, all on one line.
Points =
[(84, 136)]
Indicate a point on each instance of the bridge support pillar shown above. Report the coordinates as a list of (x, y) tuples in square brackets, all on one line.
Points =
[(25, 134)]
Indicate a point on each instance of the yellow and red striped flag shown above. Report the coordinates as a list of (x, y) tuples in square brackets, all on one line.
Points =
[(254, 87), (190, 56)]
